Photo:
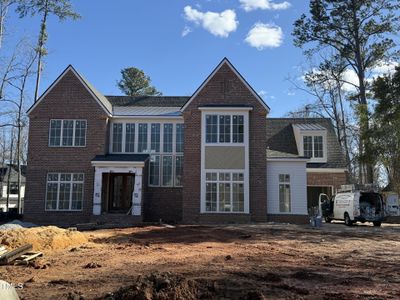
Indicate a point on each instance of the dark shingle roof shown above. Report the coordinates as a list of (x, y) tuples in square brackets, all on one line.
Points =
[(159, 101), (122, 157), (280, 137), (280, 154)]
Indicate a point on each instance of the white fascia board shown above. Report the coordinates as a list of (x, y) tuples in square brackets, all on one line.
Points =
[(148, 117), (293, 159), (326, 170), (225, 109), (226, 61), (117, 164)]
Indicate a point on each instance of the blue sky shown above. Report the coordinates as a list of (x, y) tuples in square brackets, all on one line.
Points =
[(149, 34)]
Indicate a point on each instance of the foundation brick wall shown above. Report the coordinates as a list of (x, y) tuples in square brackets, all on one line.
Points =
[(327, 179), (69, 99), (162, 203), (225, 88)]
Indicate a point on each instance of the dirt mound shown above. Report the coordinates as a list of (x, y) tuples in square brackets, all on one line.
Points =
[(42, 238), (157, 286), (165, 286)]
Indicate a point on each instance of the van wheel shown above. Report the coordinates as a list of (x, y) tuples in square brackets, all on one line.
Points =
[(347, 220), (328, 220), (377, 223)]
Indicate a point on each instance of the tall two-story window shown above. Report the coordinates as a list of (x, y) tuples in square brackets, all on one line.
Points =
[(129, 137), (224, 129), (180, 136), (142, 138), (168, 134), (67, 133), (155, 137), (64, 191), (117, 137), (167, 170), (154, 172)]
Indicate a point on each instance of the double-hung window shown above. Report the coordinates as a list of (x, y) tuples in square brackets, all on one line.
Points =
[(224, 129), (67, 133), (284, 193), (64, 191), (129, 137)]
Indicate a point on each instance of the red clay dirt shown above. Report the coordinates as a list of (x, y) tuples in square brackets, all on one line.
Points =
[(261, 261)]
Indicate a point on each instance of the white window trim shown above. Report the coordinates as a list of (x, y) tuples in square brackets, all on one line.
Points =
[(58, 191), (73, 134), (300, 144), (245, 171), (290, 188), (231, 182), (225, 113)]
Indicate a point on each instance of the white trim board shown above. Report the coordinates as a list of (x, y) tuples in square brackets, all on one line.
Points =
[(326, 170), (72, 69), (127, 164), (227, 62)]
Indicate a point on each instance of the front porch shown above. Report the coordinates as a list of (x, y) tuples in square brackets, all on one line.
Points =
[(118, 187)]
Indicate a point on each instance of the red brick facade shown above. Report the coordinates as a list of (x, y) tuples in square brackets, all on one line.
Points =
[(225, 87), (69, 99), (327, 179)]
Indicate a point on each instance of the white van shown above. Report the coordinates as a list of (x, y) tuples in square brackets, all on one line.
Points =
[(392, 204), (353, 206)]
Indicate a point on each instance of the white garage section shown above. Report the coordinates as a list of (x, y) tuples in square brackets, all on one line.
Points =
[(286, 186)]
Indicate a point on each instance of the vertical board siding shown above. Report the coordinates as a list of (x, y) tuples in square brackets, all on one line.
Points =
[(298, 186)]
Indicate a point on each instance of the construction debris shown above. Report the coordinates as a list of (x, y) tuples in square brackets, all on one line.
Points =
[(12, 255)]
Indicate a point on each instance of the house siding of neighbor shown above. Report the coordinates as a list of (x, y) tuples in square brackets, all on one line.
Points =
[(212, 157)]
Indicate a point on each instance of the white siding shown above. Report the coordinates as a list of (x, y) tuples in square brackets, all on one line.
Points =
[(298, 186)]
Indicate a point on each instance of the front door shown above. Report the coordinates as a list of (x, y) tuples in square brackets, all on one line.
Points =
[(121, 189)]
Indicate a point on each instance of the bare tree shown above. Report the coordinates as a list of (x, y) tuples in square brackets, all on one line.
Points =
[(4, 7), (325, 84)]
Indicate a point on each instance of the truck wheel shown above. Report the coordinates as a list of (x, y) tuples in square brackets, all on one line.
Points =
[(328, 220), (347, 220), (377, 223)]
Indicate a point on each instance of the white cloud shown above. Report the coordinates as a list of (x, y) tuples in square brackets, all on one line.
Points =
[(249, 5), (263, 36), (218, 24), (186, 31), (384, 68)]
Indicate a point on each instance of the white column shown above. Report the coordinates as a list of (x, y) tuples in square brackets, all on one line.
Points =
[(137, 193), (98, 180)]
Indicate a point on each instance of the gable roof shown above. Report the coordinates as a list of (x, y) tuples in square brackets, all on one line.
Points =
[(280, 137), (101, 100), (4, 170), (223, 62)]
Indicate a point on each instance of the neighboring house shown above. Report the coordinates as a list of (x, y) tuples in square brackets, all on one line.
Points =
[(13, 192), (193, 159)]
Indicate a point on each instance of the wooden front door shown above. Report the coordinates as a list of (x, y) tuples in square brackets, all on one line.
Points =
[(121, 189)]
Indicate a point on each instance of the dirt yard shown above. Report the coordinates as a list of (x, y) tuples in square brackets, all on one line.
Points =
[(264, 261)]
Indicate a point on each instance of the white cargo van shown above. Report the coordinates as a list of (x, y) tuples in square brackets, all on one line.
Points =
[(352, 205)]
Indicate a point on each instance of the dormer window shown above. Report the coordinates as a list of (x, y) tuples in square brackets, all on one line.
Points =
[(311, 141), (313, 146)]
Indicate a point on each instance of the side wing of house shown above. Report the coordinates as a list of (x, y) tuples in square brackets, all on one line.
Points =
[(315, 140), (68, 128)]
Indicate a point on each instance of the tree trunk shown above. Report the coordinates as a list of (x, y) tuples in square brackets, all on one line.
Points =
[(9, 170), (41, 41)]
